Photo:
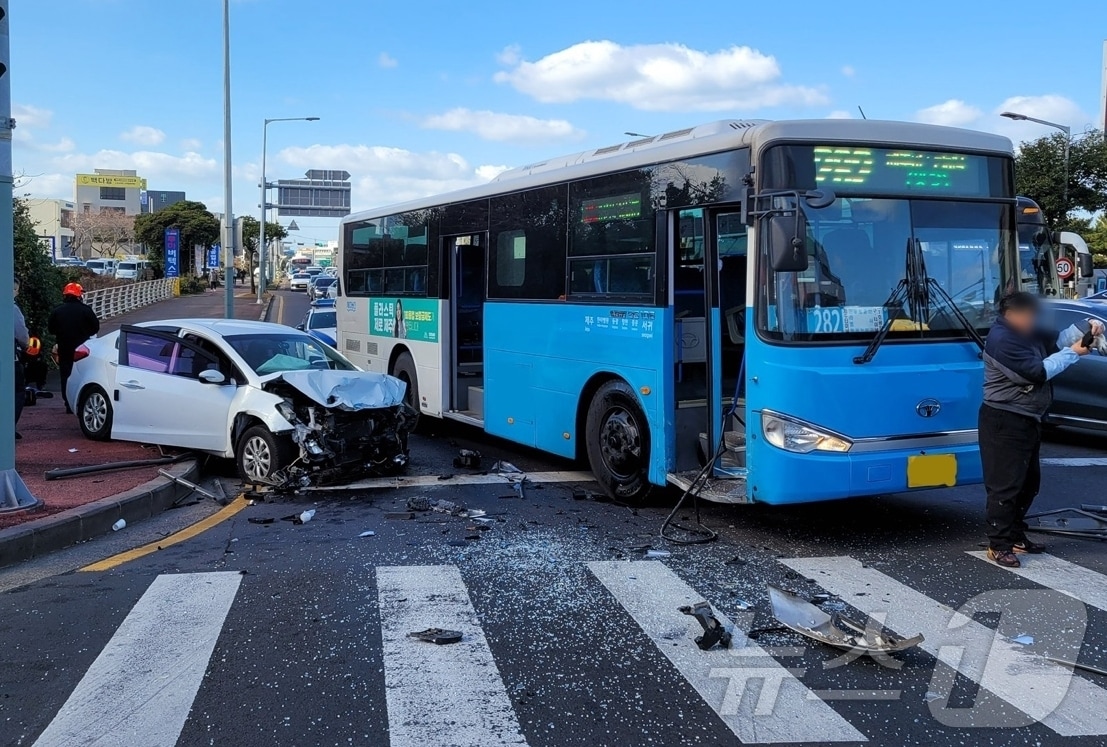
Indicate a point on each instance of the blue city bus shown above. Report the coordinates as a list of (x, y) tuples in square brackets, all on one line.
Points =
[(772, 312)]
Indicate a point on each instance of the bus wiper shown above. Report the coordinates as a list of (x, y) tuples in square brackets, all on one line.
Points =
[(912, 291)]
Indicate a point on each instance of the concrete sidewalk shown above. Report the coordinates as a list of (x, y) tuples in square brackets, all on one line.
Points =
[(79, 508)]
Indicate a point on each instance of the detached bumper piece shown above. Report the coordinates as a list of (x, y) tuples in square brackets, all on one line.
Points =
[(1071, 522), (835, 630), (713, 630)]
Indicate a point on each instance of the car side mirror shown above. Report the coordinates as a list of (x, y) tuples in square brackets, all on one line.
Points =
[(211, 376), (300, 326), (788, 242)]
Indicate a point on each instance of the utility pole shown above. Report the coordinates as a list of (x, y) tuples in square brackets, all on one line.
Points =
[(228, 207), (13, 492)]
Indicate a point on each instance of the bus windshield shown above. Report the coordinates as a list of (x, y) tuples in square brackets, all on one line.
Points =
[(857, 250)]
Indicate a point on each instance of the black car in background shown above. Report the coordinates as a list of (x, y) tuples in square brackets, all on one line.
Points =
[(1080, 393)]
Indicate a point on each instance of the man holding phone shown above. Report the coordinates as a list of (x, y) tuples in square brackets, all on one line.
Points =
[(1019, 363)]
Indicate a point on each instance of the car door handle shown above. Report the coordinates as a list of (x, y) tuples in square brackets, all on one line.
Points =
[(132, 384)]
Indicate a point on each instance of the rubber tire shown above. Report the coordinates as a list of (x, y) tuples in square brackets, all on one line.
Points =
[(280, 450), (403, 368), (104, 433), (633, 485)]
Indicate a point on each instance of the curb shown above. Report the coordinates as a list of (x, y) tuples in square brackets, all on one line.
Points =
[(265, 310), (51, 533)]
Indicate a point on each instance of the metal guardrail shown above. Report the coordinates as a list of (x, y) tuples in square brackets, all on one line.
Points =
[(109, 302)]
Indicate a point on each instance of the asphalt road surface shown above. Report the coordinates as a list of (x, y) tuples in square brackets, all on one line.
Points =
[(297, 634)]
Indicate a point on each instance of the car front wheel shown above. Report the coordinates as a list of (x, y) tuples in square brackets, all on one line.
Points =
[(95, 414), (261, 456)]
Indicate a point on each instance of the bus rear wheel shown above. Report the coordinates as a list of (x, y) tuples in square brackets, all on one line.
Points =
[(618, 440), (404, 370)]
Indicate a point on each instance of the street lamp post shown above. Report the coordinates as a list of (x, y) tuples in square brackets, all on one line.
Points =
[(265, 197), (228, 209), (1068, 142)]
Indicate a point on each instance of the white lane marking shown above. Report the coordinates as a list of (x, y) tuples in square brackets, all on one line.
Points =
[(1071, 706), (778, 707), (439, 696), (140, 688), (1075, 462), (489, 479), (1060, 575)]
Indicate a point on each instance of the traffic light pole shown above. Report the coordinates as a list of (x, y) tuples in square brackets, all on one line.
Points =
[(14, 495)]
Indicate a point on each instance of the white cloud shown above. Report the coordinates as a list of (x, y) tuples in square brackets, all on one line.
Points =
[(386, 60), (191, 144), (384, 175), (840, 114), (658, 77), (510, 55), (162, 167), (952, 113), (499, 127), (143, 135), (848, 71), (58, 186), (1050, 107), (26, 115)]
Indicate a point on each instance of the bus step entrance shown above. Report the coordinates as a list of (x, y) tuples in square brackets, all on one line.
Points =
[(734, 452), (716, 490)]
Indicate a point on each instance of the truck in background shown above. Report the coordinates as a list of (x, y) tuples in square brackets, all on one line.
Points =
[(1073, 247)]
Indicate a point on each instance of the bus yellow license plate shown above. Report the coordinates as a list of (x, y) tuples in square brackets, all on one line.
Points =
[(932, 470)]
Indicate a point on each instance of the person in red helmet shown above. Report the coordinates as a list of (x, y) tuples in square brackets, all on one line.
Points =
[(71, 324)]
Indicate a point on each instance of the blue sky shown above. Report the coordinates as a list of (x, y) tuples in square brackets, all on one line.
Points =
[(425, 96)]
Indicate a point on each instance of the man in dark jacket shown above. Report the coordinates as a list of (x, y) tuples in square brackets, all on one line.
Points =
[(71, 323), (1018, 364)]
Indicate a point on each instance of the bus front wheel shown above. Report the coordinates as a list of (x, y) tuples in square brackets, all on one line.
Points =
[(404, 370), (618, 438)]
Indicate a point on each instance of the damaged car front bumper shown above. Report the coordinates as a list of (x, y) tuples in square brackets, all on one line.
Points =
[(344, 424)]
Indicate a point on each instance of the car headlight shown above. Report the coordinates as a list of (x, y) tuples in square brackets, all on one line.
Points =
[(799, 437), (287, 412)]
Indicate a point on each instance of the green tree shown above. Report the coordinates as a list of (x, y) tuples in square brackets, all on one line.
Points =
[(197, 225), (251, 234), (1096, 236), (40, 281), (1039, 175)]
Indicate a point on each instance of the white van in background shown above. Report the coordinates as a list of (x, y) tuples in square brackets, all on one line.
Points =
[(130, 269), (101, 266)]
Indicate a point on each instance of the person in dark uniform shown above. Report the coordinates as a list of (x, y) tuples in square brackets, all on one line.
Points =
[(1019, 362), (71, 323)]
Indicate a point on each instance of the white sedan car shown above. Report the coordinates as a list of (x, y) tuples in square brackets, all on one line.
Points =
[(291, 411), (299, 281)]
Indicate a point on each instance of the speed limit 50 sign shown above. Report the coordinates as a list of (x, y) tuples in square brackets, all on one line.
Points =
[(1065, 268)]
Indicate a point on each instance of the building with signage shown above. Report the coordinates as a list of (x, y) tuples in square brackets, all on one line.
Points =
[(109, 190), (54, 224), (156, 200)]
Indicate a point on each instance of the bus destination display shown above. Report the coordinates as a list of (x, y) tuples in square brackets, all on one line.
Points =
[(616, 207), (906, 170)]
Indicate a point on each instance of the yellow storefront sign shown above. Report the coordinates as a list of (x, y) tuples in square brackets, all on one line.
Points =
[(104, 180)]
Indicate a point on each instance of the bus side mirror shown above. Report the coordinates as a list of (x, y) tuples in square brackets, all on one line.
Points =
[(1085, 262), (788, 242), (1055, 237)]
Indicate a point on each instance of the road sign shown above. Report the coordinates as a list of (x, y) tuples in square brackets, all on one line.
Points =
[(323, 194), (1065, 268), (172, 253), (213, 256)]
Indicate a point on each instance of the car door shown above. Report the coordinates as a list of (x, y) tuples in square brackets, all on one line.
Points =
[(159, 397), (1080, 392)]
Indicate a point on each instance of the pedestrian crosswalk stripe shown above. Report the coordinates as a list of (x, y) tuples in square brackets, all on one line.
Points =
[(1060, 575), (439, 696), (1075, 462), (1070, 706), (778, 709), (140, 688)]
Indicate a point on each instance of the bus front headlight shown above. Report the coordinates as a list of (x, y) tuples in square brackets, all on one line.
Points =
[(799, 437)]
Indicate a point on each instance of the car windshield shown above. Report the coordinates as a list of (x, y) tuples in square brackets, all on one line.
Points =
[(857, 249), (127, 266), (292, 351), (323, 320), (323, 281)]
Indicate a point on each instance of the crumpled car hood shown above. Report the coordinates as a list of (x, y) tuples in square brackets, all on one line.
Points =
[(347, 390)]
